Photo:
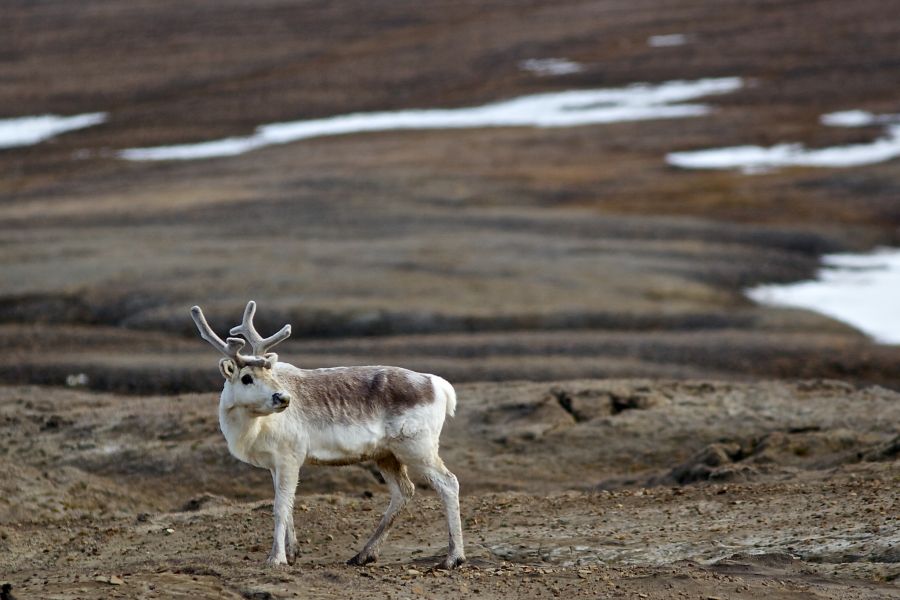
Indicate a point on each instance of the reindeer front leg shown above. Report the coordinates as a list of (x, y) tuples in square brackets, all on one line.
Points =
[(284, 547), (290, 539)]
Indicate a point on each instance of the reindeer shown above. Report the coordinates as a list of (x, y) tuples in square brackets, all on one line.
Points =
[(279, 417)]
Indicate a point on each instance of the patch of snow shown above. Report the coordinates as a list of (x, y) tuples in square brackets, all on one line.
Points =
[(667, 41), (27, 131), (857, 118), (849, 118), (77, 380), (756, 159), (556, 109), (550, 66), (226, 147), (858, 289)]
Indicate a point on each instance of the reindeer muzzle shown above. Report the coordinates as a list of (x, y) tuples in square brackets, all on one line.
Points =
[(280, 400)]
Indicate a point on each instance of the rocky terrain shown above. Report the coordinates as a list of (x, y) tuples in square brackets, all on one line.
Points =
[(585, 488)]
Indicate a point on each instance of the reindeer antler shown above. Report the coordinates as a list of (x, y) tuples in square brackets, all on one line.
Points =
[(260, 346), (231, 348)]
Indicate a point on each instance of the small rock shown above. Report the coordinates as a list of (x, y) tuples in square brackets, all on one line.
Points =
[(116, 580), (169, 531), (413, 572)]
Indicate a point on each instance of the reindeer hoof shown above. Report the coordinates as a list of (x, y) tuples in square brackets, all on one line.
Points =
[(276, 561), (360, 560), (450, 563)]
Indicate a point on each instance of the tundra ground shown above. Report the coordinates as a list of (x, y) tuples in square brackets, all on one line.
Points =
[(756, 458), (615, 488)]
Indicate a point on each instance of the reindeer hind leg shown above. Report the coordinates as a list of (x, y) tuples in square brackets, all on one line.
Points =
[(402, 491), (447, 487)]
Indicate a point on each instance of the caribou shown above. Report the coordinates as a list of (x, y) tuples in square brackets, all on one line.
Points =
[(279, 417)]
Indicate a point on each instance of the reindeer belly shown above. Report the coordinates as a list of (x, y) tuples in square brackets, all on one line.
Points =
[(342, 444)]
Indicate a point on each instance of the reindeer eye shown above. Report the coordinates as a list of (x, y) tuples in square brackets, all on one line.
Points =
[(246, 380)]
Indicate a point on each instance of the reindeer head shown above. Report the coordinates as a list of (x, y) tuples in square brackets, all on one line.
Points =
[(251, 381)]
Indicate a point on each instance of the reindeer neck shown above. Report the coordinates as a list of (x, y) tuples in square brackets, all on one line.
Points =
[(242, 432)]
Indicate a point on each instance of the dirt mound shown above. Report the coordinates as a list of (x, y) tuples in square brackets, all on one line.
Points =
[(777, 452)]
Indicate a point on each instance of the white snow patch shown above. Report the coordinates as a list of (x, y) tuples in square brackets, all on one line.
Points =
[(667, 41), (550, 66), (756, 159), (556, 109), (849, 118), (857, 118), (859, 289), (26, 131), (77, 380)]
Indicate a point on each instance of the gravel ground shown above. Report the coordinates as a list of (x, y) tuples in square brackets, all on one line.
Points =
[(623, 488)]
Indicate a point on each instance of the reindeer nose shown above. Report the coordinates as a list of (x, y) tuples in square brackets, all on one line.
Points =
[(279, 398)]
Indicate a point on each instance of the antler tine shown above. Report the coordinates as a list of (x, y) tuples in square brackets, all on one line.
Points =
[(246, 327), (259, 344), (231, 348)]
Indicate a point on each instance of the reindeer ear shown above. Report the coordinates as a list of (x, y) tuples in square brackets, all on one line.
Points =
[(271, 359), (227, 368)]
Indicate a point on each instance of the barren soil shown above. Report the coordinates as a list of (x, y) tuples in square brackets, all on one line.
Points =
[(584, 488)]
